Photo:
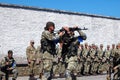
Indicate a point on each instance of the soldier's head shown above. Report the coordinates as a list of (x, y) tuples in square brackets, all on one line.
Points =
[(89, 46), (10, 53), (108, 47), (81, 45), (113, 46), (96, 47), (32, 42), (118, 45), (86, 45), (93, 46), (50, 26), (101, 46)]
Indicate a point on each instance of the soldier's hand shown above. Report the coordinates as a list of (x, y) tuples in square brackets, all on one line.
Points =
[(61, 33), (75, 27), (66, 28), (9, 68), (115, 67), (7, 63), (29, 61)]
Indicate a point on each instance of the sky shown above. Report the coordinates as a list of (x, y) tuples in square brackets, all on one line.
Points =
[(98, 7)]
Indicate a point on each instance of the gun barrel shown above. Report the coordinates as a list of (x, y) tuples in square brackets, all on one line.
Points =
[(83, 28)]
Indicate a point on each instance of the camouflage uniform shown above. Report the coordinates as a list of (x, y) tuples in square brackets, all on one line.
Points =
[(80, 60), (8, 66), (31, 57), (72, 57), (93, 56), (48, 52), (117, 67), (39, 60), (87, 59), (106, 59), (100, 57), (112, 56), (60, 67), (2, 74)]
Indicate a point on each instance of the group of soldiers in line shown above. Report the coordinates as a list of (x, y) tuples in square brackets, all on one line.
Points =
[(91, 60), (55, 60)]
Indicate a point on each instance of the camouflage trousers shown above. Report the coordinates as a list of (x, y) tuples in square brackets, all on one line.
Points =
[(79, 67), (47, 65), (105, 67), (2, 75), (95, 66), (7, 72), (72, 64), (32, 68), (116, 74)]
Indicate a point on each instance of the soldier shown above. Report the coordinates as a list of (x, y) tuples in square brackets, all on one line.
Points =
[(87, 59), (48, 47), (8, 65), (31, 58), (93, 56), (100, 57), (80, 60), (107, 57), (39, 61), (117, 66), (112, 55), (96, 60), (72, 53), (59, 70)]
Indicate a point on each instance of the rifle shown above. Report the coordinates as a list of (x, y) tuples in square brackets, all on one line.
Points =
[(71, 29)]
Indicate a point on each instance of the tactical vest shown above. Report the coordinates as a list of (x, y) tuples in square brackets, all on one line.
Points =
[(47, 45), (72, 50), (10, 61)]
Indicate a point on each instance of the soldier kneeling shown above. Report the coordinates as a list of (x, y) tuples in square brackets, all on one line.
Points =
[(8, 66)]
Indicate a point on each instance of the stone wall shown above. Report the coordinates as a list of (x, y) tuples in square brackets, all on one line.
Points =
[(20, 24)]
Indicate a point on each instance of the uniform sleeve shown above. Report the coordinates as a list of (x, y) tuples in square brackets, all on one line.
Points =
[(2, 63), (14, 65), (50, 36), (38, 53), (82, 34), (59, 52), (27, 52)]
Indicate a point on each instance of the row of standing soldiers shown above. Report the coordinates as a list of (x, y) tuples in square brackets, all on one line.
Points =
[(59, 55)]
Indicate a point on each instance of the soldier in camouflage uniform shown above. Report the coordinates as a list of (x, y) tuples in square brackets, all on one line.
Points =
[(48, 47), (31, 58), (80, 60), (87, 59), (93, 56), (100, 57), (106, 59), (96, 60), (72, 55), (60, 68), (8, 66), (117, 66), (112, 55), (39, 61)]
